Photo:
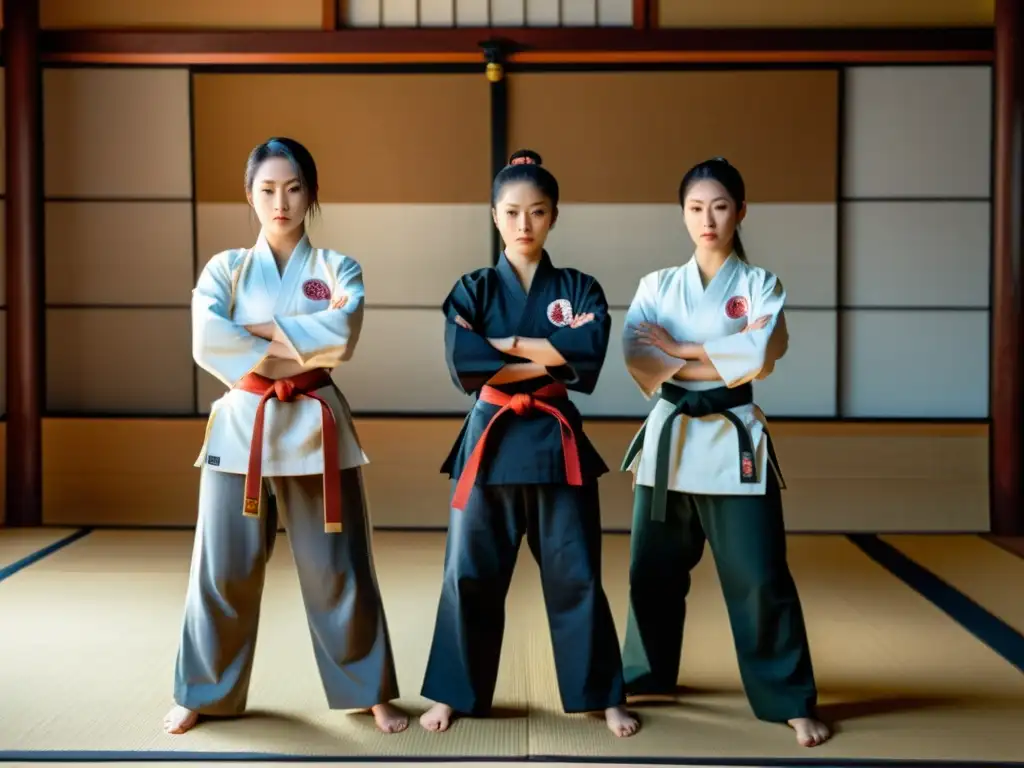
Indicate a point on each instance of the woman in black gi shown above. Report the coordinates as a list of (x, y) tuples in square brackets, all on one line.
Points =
[(520, 335)]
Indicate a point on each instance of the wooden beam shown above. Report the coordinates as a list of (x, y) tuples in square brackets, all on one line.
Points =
[(24, 218), (530, 45), (641, 13), (1006, 496), (330, 15)]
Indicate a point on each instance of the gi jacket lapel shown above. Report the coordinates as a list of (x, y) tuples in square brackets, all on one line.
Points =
[(526, 308)]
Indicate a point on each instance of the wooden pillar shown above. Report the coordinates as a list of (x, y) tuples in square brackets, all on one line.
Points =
[(494, 54), (24, 363), (1007, 385)]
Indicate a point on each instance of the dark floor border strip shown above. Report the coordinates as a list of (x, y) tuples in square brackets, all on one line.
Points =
[(999, 636), (39, 554), (73, 756)]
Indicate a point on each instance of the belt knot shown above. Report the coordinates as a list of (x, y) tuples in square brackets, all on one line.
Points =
[(284, 390), (521, 403)]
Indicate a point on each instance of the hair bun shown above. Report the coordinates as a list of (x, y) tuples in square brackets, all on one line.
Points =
[(719, 159), (525, 157)]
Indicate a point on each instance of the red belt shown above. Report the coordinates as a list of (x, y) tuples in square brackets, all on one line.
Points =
[(520, 404), (287, 390)]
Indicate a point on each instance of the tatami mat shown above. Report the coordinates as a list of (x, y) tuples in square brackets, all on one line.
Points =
[(19, 543), (91, 665), (981, 570)]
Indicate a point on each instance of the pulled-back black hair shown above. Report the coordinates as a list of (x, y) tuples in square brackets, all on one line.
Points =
[(294, 152), (718, 169), (526, 165)]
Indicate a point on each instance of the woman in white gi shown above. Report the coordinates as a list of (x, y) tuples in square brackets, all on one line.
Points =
[(271, 322), (697, 335)]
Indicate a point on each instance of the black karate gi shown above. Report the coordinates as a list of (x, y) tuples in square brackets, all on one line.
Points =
[(521, 488)]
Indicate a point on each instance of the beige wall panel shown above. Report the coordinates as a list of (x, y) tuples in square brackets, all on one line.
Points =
[(377, 380), (826, 13), (541, 13), (841, 477), (777, 127), (915, 364), (363, 13), (579, 13), (619, 244), (117, 133), (375, 138), (508, 13), (119, 253), (437, 13), (130, 361), (917, 132), (411, 254), (916, 254), (803, 384), (804, 381), (472, 13), (615, 13), (194, 14), (399, 13)]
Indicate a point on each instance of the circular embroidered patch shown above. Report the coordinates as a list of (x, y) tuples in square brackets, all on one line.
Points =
[(736, 307), (316, 290), (560, 312)]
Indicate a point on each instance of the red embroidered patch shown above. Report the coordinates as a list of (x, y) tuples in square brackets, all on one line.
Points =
[(560, 312), (316, 290), (736, 307), (747, 467)]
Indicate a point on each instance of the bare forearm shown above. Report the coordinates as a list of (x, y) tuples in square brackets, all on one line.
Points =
[(691, 351), (269, 331), (698, 371), (539, 351), (517, 372)]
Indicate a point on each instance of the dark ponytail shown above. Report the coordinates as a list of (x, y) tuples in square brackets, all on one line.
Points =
[(718, 169)]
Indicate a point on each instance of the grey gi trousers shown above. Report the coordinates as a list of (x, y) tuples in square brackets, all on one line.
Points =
[(338, 583)]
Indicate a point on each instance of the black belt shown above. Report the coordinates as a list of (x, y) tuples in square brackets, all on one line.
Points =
[(697, 404)]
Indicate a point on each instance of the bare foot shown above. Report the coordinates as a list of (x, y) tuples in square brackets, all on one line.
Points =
[(179, 720), (389, 718), (437, 718), (809, 732), (620, 722)]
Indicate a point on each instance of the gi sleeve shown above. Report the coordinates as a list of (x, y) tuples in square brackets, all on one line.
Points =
[(743, 357), (583, 348), (219, 346), (327, 338), (647, 365), (472, 361)]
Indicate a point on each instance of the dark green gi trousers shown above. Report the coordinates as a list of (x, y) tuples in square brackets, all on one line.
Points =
[(748, 542)]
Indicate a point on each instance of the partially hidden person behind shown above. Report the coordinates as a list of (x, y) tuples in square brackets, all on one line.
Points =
[(521, 335), (697, 336), (271, 322)]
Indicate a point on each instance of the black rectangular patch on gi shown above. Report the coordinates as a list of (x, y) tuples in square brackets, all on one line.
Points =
[(213, 461)]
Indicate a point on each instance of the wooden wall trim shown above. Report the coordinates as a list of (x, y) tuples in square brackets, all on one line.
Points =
[(642, 13), (531, 45), (331, 11)]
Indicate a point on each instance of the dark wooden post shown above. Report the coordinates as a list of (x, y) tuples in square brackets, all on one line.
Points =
[(1006, 499), (24, 210), (494, 54)]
